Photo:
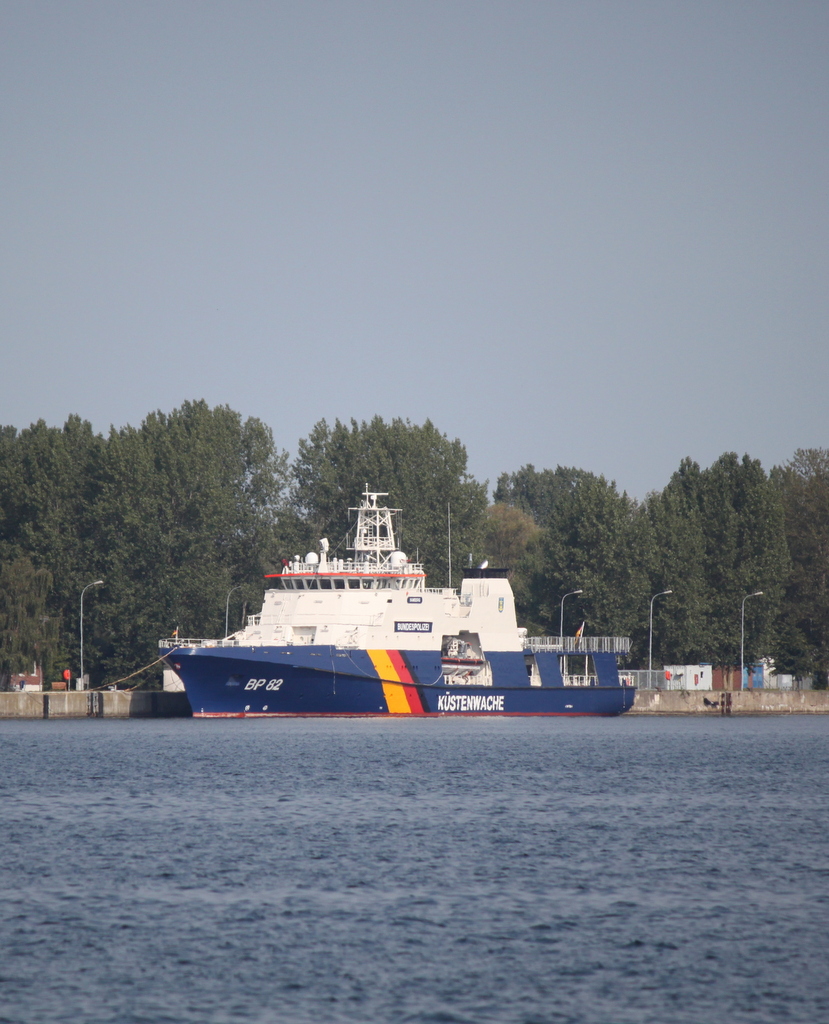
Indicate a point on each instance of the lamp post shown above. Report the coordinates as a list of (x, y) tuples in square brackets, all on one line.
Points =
[(227, 603), (757, 593), (561, 623), (650, 632), (96, 583)]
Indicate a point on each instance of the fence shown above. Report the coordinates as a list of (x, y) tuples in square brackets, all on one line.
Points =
[(655, 679), (643, 679), (658, 679)]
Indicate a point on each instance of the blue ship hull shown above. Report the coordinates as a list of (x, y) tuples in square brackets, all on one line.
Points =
[(323, 680)]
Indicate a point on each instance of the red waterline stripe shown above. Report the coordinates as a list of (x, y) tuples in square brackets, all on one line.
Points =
[(421, 714)]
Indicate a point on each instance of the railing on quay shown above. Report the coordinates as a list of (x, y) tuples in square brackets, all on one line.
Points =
[(579, 645), (649, 679)]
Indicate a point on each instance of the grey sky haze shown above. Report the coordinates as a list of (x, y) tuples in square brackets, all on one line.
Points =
[(592, 234)]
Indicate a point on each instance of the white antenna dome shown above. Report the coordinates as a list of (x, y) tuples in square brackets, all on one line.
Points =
[(312, 558)]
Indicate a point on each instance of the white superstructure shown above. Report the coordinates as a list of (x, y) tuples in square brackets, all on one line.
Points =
[(378, 599)]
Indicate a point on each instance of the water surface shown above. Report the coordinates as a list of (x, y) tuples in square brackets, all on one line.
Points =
[(459, 870)]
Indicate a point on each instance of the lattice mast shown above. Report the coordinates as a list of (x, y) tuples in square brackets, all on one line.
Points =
[(374, 539)]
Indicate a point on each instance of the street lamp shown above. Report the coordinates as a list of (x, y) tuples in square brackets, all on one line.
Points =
[(96, 583), (650, 632), (757, 593), (561, 624), (227, 603)]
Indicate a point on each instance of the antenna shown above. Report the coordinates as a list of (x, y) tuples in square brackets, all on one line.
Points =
[(449, 536)]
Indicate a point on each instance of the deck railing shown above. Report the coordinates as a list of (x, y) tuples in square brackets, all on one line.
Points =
[(180, 641), (350, 567), (553, 644), (580, 680), (579, 645)]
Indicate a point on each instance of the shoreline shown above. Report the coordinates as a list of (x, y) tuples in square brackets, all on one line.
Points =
[(94, 704), (166, 704), (742, 702)]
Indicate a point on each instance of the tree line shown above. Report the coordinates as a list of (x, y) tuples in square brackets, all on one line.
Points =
[(182, 516), (711, 536)]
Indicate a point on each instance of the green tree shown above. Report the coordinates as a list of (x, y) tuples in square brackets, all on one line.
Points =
[(803, 644), (597, 541), (745, 551), (718, 536), (47, 501), (539, 493), (508, 534), (547, 496), (189, 505), (423, 472), (678, 561), (28, 635), (170, 515)]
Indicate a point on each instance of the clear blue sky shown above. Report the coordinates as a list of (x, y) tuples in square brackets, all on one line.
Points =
[(592, 234)]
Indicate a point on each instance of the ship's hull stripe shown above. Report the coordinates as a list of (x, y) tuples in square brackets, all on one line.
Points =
[(401, 695), (404, 672)]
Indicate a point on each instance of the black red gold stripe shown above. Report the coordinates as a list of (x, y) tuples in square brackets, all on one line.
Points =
[(399, 687)]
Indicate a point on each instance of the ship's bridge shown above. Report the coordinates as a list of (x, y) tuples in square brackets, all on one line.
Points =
[(349, 577)]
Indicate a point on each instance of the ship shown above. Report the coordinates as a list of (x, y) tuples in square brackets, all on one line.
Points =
[(365, 636)]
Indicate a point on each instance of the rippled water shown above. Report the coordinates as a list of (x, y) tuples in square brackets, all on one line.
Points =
[(519, 870)]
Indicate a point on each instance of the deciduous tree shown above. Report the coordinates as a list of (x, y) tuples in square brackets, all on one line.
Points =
[(803, 646), (539, 493), (189, 505), (28, 634), (596, 541), (745, 551), (508, 534), (423, 472)]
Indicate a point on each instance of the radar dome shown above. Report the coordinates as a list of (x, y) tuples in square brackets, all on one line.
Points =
[(312, 558), (397, 558)]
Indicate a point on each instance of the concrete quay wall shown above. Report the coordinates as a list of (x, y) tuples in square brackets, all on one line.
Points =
[(161, 704), (95, 704), (743, 702)]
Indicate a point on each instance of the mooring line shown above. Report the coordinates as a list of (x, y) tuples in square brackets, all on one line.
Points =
[(129, 689)]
